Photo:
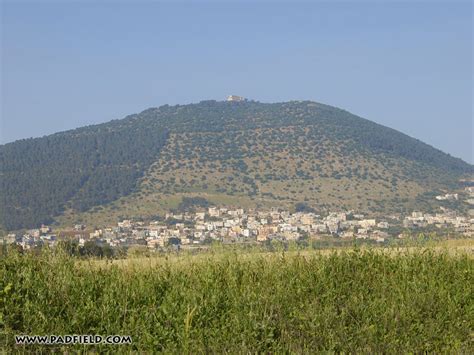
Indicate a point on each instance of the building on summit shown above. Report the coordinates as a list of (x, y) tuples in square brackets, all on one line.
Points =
[(236, 98)]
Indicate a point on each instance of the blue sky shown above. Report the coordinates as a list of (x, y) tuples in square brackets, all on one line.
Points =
[(406, 65)]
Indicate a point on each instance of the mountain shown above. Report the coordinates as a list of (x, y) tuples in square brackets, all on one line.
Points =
[(229, 153)]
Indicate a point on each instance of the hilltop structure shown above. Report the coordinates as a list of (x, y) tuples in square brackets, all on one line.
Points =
[(236, 98)]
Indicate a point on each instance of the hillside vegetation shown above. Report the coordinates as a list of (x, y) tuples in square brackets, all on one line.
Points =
[(77, 170), (351, 301), (236, 153)]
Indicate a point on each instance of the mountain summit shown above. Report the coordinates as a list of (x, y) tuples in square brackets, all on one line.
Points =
[(234, 152)]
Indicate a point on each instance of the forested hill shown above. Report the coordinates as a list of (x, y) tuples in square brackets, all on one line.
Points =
[(278, 153), (78, 169)]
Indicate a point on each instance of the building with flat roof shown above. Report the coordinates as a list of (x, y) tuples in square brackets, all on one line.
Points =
[(235, 98)]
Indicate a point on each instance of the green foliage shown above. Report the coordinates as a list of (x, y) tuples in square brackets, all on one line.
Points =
[(188, 204), (303, 207), (95, 165), (347, 302), (89, 249), (81, 168)]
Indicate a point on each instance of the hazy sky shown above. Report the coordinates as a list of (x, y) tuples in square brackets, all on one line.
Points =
[(402, 64)]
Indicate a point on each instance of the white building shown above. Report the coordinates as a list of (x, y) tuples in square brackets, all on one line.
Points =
[(235, 98)]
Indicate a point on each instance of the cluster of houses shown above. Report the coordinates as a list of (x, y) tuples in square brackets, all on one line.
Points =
[(470, 193), (447, 197), (446, 219), (32, 238), (240, 226)]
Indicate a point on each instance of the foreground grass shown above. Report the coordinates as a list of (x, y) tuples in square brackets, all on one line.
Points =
[(368, 301), (138, 262)]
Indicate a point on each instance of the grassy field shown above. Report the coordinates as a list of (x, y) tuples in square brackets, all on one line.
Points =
[(351, 301)]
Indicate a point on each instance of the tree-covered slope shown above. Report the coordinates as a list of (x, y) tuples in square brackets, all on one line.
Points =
[(78, 169), (266, 153)]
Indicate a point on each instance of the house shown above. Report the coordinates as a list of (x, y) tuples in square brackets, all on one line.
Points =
[(186, 240), (462, 227), (417, 215), (12, 238), (27, 243), (361, 235), (347, 234), (320, 228), (45, 229), (333, 227), (155, 243), (264, 231), (79, 227), (376, 235), (34, 232), (200, 227), (213, 212), (95, 234), (365, 223), (48, 237), (125, 224), (288, 235), (449, 197), (307, 219)]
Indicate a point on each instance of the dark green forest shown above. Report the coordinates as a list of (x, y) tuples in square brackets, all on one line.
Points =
[(77, 169), (90, 166)]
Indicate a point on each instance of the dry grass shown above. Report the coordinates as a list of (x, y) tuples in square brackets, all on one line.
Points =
[(217, 254)]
